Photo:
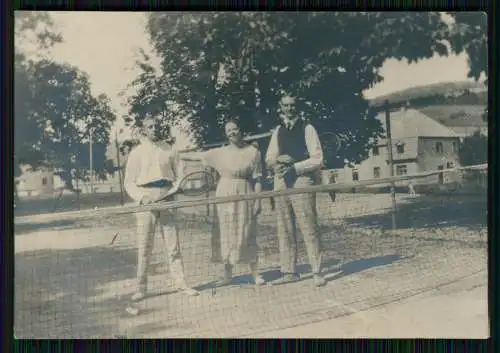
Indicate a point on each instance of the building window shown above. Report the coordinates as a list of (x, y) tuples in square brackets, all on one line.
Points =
[(439, 147), (401, 169), (450, 165), (376, 172), (375, 151), (44, 181), (400, 148), (355, 175)]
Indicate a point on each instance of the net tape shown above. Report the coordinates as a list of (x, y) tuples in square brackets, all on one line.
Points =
[(130, 209)]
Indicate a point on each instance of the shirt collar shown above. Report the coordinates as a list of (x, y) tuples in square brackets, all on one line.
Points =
[(289, 124), (150, 144)]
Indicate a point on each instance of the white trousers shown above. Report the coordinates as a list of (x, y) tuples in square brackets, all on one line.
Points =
[(147, 225)]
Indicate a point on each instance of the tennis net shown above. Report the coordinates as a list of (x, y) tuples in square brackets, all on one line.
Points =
[(74, 271)]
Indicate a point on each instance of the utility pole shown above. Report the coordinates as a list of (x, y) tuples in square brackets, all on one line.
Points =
[(91, 131), (77, 176), (391, 164), (119, 168)]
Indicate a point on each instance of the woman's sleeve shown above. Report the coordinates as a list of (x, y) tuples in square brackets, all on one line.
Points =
[(209, 157)]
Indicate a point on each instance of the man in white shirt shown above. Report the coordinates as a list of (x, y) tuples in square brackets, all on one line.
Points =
[(150, 172), (299, 141)]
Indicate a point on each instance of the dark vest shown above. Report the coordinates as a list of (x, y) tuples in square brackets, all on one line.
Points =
[(293, 142)]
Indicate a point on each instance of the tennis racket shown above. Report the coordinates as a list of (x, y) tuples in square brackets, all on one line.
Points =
[(331, 142), (192, 184)]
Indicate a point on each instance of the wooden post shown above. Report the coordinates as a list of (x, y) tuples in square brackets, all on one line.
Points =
[(77, 186), (119, 168), (391, 164), (207, 195)]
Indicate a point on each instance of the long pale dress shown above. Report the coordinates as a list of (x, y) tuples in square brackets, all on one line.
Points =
[(237, 168)]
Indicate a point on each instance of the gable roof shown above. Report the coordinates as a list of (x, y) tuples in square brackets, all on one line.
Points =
[(413, 123)]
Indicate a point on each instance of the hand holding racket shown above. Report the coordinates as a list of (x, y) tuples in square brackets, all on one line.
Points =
[(283, 165)]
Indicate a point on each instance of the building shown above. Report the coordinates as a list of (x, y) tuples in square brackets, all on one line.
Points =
[(37, 183), (34, 183), (419, 144)]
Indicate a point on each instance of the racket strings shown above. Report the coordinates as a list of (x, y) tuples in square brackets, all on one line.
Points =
[(196, 183)]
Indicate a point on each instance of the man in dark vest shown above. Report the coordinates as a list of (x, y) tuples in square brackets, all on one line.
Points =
[(296, 156)]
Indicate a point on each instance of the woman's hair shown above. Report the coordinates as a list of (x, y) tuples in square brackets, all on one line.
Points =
[(237, 123)]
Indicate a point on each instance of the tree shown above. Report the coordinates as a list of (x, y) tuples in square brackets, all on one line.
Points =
[(35, 34), (469, 34), (69, 116), (55, 110), (474, 149), (219, 65)]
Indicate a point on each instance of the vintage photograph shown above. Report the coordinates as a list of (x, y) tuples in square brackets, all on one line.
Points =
[(251, 175)]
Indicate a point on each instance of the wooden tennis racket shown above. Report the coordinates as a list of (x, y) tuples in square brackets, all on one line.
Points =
[(192, 184)]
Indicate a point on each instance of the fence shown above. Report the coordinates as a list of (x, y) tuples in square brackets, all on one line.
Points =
[(71, 283)]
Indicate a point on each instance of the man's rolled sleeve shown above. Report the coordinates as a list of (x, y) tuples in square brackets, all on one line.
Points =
[(315, 160)]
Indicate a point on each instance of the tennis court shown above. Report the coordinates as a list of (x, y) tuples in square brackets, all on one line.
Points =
[(70, 283)]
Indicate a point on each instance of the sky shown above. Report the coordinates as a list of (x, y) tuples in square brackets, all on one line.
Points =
[(105, 45)]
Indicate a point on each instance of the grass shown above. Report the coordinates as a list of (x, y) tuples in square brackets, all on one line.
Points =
[(69, 202), (71, 283)]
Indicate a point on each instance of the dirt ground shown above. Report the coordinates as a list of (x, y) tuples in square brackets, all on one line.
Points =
[(427, 278), (453, 311)]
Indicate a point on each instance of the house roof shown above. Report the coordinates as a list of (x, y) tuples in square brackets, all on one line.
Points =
[(413, 123)]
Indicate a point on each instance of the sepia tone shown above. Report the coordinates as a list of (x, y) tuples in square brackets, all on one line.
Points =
[(317, 201)]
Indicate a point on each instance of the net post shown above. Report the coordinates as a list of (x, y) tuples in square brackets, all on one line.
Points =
[(391, 163), (120, 179)]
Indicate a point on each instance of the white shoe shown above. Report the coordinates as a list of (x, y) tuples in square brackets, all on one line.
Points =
[(319, 281), (258, 280), (189, 291), (136, 297)]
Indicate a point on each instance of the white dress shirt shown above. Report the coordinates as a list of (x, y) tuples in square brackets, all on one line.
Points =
[(315, 160), (148, 163)]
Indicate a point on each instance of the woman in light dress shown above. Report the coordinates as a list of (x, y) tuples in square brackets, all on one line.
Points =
[(239, 166)]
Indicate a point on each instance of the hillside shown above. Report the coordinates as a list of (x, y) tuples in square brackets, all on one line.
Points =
[(461, 93), (456, 115)]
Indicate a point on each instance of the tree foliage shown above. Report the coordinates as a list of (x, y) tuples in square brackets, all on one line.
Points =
[(55, 109), (469, 34), (220, 65), (474, 149)]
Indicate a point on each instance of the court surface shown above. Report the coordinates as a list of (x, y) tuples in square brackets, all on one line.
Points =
[(426, 279)]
